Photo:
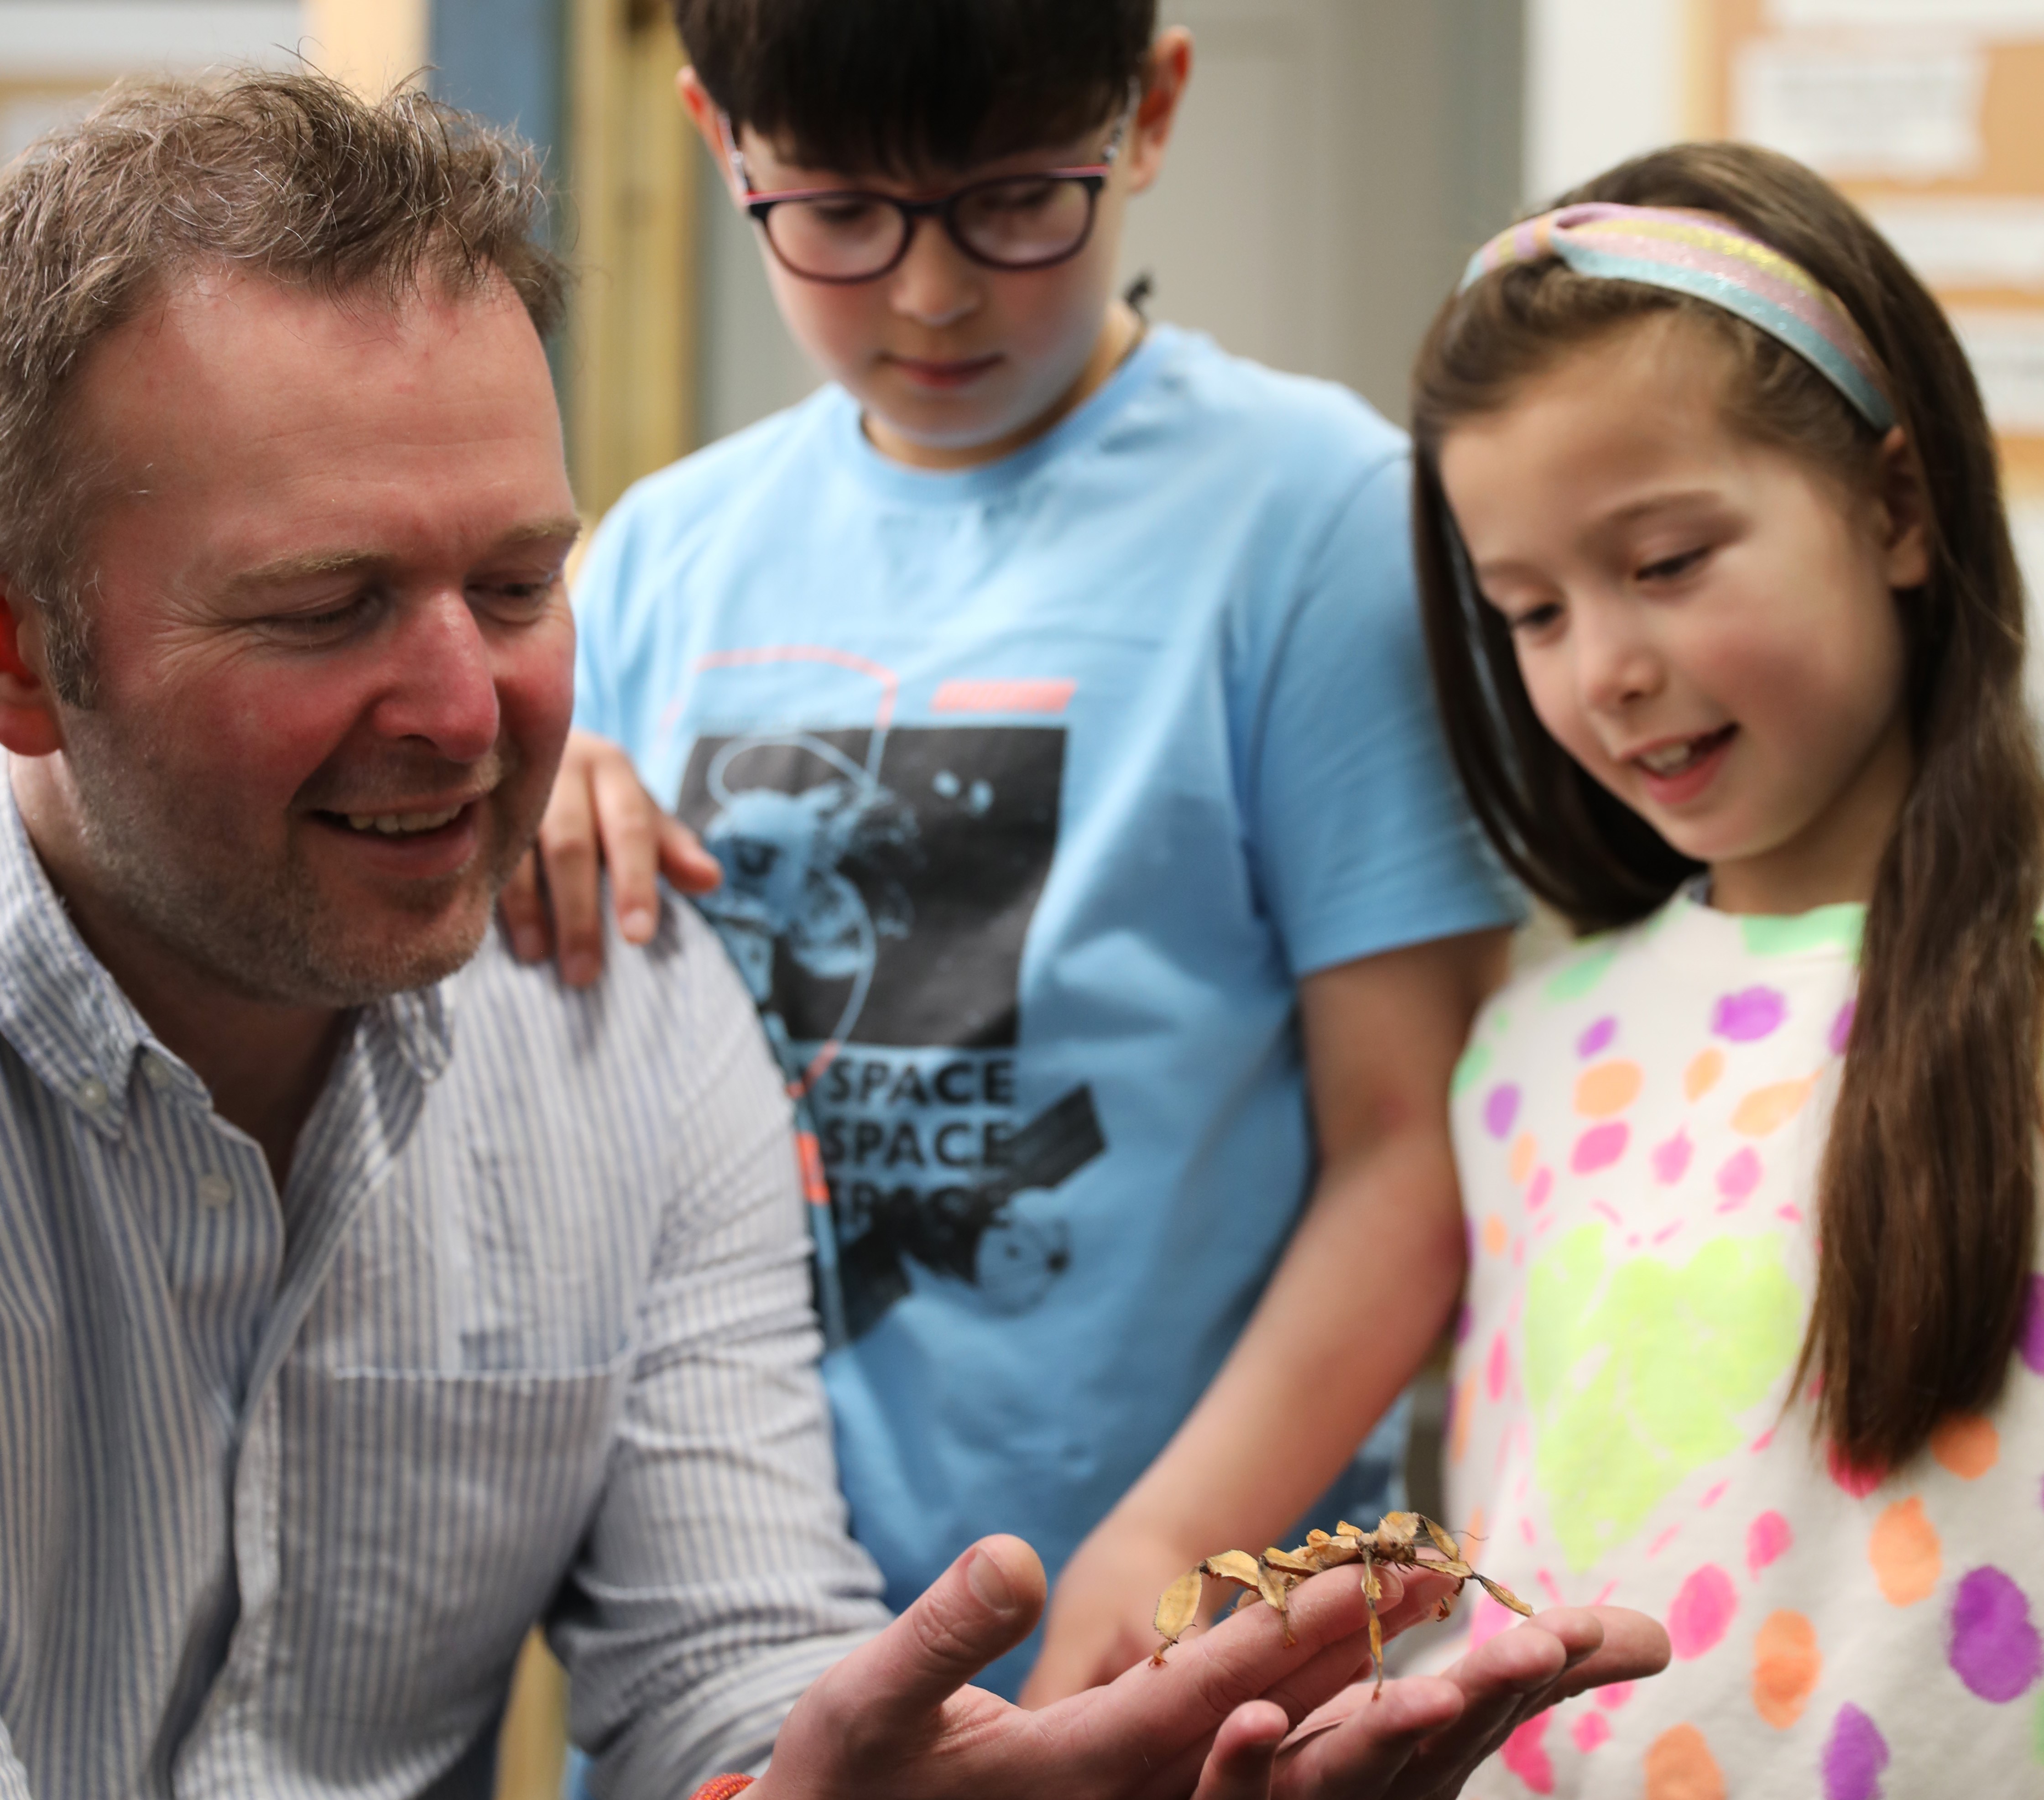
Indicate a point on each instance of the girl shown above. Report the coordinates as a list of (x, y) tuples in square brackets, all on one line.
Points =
[(1728, 638)]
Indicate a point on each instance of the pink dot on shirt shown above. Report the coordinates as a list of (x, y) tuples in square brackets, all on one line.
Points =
[(1857, 1482), (1610, 1698), (1499, 1371), (1701, 1612), (1527, 1757), (1599, 1147), (1598, 1037), (1500, 1109), (1766, 1538), (1671, 1160), (1589, 1731), (1543, 1185), (1740, 1175)]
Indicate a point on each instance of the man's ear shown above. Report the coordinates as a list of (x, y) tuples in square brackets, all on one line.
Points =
[(28, 725), (708, 117), (1904, 515), (1169, 68)]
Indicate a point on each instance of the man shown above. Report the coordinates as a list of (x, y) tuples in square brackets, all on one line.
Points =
[(363, 1297)]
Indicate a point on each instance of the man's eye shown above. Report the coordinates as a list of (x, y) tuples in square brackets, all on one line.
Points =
[(328, 622)]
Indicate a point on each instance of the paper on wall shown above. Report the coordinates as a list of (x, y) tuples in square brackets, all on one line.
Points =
[(2007, 351), (1967, 242), (1986, 18), (1912, 113), (2025, 526)]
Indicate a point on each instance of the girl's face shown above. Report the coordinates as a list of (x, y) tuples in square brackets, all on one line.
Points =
[(1707, 624)]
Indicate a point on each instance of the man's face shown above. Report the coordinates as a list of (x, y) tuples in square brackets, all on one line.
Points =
[(333, 656)]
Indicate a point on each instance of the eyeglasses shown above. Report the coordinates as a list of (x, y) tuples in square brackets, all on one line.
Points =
[(847, 235)]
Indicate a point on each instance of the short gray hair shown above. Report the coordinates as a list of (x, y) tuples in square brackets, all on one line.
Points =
[(290, 175)]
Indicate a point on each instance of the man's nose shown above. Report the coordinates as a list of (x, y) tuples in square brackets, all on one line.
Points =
[(442, 682), (936, 283)]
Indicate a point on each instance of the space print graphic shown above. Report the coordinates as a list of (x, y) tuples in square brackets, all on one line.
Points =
[(879, 881)]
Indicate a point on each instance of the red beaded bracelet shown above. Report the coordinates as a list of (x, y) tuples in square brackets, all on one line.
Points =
[(723, 1786)]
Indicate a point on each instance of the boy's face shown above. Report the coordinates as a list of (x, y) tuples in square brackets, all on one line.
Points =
[(956, 362)]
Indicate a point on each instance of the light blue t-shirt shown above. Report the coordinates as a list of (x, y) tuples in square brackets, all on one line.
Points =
[(1038, 788)]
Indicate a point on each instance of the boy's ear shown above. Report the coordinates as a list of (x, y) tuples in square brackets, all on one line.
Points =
[(28, 725), (1164, 78), (1904, 514), (707, 118)]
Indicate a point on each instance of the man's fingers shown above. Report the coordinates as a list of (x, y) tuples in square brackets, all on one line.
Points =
[(1633, 1646), (1244, 1753), (980, 1608), (685, 862), (1355, 1747), (525, 911)]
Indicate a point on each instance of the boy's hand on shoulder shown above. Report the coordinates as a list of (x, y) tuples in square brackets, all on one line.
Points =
[(599, 817)]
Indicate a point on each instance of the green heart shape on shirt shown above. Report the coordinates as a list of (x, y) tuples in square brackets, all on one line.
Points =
[(1639, 1372)]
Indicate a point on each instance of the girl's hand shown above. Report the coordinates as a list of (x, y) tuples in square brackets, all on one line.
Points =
[(1099, 1619), (599, 817)]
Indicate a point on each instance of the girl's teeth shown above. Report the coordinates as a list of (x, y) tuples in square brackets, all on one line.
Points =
[(394, 824)]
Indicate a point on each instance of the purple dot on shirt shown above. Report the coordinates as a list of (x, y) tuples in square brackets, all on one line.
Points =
[(2032, 1327), (1500, 1109), (1744, 1017), (1597, 1038), (1995, 1650), (1841, 1028), (1854, 1757)]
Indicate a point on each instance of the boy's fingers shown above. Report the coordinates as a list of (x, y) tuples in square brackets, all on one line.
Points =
[(1245, 1751), (685, 862), (525, 911), (628, 826), (1632, 1647), (568, 855)]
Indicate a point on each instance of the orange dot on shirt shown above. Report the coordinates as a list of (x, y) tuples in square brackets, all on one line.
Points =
[(1458, 1431), (1905, 1553), (1968, 1445), (1786, 1665), (1703, 1073), (1608, 1089), (1522, 1153), (1767, 1109), (1679, 1766), (1495, 1236)]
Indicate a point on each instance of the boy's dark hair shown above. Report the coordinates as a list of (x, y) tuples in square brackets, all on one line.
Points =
[(1927, 1215), (900, 86)]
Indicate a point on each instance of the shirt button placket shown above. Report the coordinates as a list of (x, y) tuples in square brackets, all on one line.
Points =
[(215, 1190)]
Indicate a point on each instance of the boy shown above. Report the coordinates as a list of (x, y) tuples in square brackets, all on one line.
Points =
[(1049, 690)]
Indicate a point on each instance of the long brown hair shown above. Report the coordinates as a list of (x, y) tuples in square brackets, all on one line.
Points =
[(1927, 1194)]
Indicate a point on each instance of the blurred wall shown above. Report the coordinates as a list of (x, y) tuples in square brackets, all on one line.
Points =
[(1335, 162)]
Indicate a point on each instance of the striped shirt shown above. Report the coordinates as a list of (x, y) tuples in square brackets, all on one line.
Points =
[(284, 1480)]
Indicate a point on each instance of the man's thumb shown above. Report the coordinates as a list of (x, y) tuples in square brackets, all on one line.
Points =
[(981, 1607)]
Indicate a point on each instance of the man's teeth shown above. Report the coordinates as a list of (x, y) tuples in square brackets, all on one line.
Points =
[(394, 825)]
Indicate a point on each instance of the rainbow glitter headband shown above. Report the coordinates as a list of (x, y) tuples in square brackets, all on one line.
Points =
[(1710, 258)]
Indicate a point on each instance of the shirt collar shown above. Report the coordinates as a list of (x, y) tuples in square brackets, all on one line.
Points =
[(81, 1035)]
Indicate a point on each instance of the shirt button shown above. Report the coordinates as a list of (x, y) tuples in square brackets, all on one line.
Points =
[(215, 1190), (156, 1072), (92, 1095)]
